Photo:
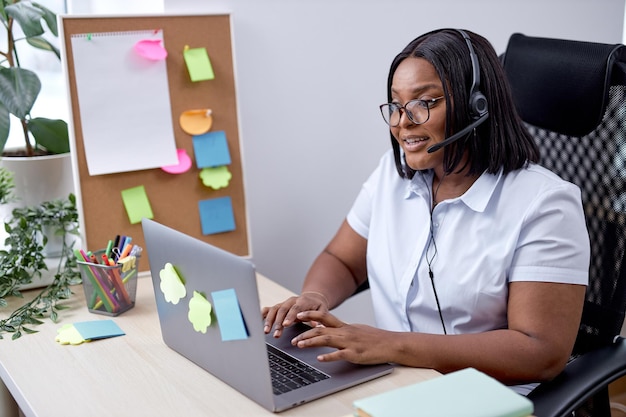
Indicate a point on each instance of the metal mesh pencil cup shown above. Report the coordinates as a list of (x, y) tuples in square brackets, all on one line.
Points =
[(109, 290)]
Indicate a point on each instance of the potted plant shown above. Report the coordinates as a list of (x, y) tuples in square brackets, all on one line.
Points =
[(20, 87), (23, 258), (37, 206), (42, 166)]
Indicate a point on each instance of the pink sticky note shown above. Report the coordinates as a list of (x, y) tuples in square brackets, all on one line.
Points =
[(151, 49), (184, 163)]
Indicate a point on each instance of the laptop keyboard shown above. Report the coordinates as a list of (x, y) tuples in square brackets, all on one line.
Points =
[(289, 373)]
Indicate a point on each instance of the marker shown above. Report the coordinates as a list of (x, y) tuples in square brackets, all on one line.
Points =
[(110, 303), (125, 252), (109, 248), (117, 280)]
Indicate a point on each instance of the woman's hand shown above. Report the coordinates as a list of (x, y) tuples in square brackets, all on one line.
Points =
[(285, 314), (355, 343)]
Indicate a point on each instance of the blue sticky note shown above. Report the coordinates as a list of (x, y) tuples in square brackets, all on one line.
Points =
[(98, 329), (229, 317), (216, 215), (211, 149)]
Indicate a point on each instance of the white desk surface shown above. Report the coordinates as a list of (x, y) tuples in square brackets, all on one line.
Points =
[(138, 375)]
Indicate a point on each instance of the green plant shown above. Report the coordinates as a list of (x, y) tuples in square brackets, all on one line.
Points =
[(23, 259), (19, 87), (7, 185)]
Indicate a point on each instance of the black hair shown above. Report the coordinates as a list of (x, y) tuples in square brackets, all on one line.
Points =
[(502, 141)]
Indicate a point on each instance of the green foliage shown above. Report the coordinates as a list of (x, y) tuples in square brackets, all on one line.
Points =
[(22, 260), (51, 134), (20, 87), (7, 185)]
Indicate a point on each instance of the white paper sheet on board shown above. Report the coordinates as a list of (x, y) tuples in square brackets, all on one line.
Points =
[(124, 103)]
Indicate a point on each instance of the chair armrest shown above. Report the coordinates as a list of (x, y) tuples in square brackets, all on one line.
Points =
[(581, 379)]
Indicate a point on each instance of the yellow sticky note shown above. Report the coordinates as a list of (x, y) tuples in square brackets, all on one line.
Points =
[(137, 204), (198, 64), (69, 335), (217, 177), (172, 286), (199, 312)]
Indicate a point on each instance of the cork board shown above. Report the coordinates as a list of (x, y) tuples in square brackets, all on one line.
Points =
[(173, 198)]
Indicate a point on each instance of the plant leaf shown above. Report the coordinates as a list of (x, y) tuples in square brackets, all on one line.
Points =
[(3, 14), (19, 89), (42, 43), (5, 126), (51, 134), (28, 16), (29, 331), (49, 17)]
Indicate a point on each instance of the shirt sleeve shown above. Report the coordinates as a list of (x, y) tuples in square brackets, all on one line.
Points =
[(360, 214), (553, 245)]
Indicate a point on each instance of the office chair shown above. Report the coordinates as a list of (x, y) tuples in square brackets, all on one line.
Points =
[(572, 95)]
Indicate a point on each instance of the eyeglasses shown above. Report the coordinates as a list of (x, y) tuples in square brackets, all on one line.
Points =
[(418, 111)]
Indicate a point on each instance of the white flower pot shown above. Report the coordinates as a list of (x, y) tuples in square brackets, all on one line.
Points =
[(39, 179)]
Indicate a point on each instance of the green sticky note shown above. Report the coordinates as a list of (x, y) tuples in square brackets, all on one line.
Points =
[(200, 312), (137, 204), (198, 64), (217, 177)]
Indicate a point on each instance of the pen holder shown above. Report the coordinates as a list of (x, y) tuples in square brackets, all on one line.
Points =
[(110, 290)]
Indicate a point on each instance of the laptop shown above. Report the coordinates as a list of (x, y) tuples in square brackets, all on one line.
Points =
[(242, 357)]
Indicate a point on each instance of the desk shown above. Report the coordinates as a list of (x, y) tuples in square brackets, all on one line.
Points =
[(138, 375)]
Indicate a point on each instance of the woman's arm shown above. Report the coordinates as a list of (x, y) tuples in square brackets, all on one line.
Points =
[(334, 276), (340, 268), (543, 323)]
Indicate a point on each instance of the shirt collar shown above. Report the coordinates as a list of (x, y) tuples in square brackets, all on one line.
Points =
[(479, 194), (476, 198)]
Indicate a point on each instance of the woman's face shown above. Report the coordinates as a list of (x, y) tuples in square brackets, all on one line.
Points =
[(416, 78)]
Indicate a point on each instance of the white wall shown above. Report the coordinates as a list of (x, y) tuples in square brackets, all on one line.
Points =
[(310, 76)]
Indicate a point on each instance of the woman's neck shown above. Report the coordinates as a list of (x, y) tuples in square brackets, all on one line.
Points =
[(448, 186)]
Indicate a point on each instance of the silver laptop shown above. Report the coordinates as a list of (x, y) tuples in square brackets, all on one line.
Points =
[(241, 354)]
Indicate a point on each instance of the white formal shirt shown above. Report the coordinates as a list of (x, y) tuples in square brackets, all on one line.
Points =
[(527, 225)]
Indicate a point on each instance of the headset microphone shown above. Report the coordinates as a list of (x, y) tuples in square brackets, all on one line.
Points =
[(458, 135), (477, 100)]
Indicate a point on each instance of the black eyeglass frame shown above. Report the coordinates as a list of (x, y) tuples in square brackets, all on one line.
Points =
[(426, 104)]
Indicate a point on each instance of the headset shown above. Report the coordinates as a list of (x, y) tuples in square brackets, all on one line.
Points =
[(479, 109), (479, 112)]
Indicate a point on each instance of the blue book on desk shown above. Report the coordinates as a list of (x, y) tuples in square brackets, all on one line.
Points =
[(467, 393)]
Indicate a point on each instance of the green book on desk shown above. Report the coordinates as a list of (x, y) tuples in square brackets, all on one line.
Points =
[(467, 393)]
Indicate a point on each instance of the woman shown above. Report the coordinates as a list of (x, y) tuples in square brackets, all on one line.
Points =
[(476, 256)]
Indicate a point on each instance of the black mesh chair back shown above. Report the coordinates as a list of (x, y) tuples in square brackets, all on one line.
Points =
[(572, 96)]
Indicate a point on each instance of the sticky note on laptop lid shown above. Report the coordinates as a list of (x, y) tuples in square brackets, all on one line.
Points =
[(467, 393), (229, 316)]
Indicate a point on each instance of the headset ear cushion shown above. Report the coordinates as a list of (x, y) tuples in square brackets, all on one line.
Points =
[(478, 105)]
